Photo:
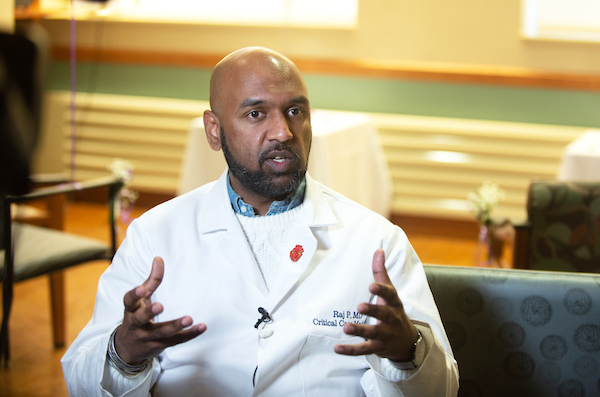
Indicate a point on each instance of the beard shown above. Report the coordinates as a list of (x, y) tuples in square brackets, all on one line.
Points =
[(261, 182)]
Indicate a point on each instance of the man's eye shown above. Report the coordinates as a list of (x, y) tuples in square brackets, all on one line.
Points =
[(294, 112), (254, 114)]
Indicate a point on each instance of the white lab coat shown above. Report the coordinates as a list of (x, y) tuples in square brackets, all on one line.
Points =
[(211, 275)]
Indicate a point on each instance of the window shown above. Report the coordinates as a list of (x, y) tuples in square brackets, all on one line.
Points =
[(573, 20), (294, 13)]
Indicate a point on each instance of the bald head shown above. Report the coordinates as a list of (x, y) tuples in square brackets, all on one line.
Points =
[(243, 65)]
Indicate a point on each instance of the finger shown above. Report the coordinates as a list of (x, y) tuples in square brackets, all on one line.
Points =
[(369, 332), (168, 329), (387, 314), (146, 315), (156, 346), (386, 294), (171, 333), (184, 334), (358, 330), (156, 276), (132, 299), (359, 349)]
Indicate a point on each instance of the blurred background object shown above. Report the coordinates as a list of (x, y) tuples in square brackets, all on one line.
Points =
[(23, 62)]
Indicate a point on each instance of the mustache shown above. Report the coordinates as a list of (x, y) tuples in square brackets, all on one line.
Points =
[(278, 147)]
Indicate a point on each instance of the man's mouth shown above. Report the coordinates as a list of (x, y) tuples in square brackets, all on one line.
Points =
[(279, 155), (279, 160)]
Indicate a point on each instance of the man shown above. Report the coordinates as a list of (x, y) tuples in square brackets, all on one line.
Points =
[(301, 292)]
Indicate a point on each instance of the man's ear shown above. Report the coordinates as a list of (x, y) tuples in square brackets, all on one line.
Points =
[(212, 127)]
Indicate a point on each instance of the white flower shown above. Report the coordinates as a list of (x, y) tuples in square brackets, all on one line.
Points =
[(482, 202), (122, 169)]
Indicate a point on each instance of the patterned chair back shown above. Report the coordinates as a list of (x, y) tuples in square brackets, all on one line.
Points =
[(521, 332), (564, 220)]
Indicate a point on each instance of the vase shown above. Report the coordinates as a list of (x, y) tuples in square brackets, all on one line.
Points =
[(490, 245)]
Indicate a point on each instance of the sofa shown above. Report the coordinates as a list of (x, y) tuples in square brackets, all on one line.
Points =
[(521, 332)]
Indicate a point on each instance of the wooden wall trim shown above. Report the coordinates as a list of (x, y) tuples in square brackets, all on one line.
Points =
[(503, 76)]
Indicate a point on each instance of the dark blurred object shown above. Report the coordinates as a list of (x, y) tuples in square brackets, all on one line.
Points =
[(563, 228), (23, 62)]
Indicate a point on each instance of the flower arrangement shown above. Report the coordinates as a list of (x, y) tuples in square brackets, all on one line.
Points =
[(482, 202), (123, 170), (492, 236)]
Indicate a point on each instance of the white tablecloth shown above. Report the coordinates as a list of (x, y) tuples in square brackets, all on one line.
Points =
[(581, 159), (346, 155)]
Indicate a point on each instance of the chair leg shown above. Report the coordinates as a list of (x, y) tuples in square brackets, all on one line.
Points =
[(521, 248), (7, 295), (57, 299)]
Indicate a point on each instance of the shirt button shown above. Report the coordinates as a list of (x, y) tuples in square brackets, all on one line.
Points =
[(265, 333), (243, 209)]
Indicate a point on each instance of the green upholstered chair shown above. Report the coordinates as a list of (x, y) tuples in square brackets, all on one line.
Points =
[(563, 228), (521, 333), (28, 250)]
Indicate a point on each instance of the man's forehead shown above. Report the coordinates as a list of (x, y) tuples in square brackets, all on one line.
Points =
[(268, 87), (254, 76)]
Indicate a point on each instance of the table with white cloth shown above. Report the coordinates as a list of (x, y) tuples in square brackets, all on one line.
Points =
[(581, 159), (346, 155)]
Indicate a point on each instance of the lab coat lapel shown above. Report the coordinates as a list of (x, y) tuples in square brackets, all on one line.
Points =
[(219, 223), (297, 257)]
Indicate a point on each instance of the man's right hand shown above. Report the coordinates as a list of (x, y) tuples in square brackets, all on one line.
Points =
[(139, 337)]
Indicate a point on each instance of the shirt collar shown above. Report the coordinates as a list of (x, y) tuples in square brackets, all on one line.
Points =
[(277, 207)]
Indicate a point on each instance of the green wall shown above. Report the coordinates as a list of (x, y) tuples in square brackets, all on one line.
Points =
[(474, 101)]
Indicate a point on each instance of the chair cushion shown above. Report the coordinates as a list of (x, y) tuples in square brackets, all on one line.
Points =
[(521, 332), (40, 250)]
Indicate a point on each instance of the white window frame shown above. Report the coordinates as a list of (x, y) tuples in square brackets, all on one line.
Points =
[(561, 20), (330, 14)]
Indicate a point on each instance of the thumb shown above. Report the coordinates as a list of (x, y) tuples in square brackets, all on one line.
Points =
[(156, 276), (379, 271)]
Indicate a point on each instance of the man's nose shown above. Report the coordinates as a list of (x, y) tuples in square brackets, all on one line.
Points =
[(279, 129)]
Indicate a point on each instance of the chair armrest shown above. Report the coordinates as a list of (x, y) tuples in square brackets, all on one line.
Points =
[(110, 181), (56, 194), (48, 179)]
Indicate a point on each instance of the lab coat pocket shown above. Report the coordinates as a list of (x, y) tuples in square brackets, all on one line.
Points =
[(326, 373)]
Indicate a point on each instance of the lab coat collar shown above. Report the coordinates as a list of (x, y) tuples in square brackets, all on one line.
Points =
[(316, 209), (217, 215)]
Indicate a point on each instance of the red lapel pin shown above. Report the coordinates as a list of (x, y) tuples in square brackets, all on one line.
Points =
[(296, 253)]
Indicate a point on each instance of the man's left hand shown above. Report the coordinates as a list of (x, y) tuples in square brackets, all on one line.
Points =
[(394, 334)]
